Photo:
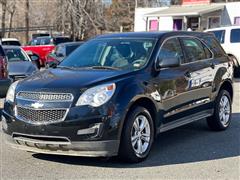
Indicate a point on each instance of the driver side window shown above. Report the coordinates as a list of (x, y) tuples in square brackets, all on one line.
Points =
[(171, 49)]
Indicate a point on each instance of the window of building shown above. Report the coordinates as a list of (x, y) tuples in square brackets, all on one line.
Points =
[(237, 20), (213, 22), (235, 36), (153, 25)]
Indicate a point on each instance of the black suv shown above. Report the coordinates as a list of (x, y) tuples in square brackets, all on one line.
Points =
[(5, 81), (115, 93)]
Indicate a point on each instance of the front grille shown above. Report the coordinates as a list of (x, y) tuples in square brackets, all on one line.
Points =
[(45, 96), (37, 116)]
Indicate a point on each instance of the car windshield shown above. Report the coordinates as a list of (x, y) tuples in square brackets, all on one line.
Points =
[(41, 41), (15, 55), (121, 54), (11, 43)]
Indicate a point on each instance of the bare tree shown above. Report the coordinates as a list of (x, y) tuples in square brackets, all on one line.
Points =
[(11, 8), (27, 20), (4, 8)]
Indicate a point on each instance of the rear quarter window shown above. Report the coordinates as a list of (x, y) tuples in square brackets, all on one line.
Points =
[(214, 46), (235, 36)]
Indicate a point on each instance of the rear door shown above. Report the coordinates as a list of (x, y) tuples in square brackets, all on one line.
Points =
[(200, 70)]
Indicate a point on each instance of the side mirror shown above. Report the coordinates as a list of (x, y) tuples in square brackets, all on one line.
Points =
[(35, 59), (60, 55), (168, 62)]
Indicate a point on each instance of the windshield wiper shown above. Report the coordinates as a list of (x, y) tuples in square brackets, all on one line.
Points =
[(104, 67)]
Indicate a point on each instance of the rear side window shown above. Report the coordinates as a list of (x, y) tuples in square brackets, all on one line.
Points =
[(171, 49), (70, 49), (220, 35), (195, 50), (214, 46), (59, 40), (235, 36)]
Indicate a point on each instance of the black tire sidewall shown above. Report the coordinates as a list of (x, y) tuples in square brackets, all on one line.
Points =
[(126, 148), (217, 109)]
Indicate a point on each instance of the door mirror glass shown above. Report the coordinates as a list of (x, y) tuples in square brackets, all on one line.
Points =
[(168, 62), (34, 57)]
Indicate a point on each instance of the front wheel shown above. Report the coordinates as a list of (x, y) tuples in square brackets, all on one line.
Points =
[(222, 112), (137, 135)]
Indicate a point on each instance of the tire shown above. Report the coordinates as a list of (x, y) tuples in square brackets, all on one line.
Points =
[(221, 117), (131, 134)]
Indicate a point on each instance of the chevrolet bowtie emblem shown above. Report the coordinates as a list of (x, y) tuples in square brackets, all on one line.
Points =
[(37, 105)]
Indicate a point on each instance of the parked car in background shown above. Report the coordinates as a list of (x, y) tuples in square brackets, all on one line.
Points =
[(116, 92), (10, 41), (42, 46), (20, 65), (229, 37), (5, 81), (61, 51)]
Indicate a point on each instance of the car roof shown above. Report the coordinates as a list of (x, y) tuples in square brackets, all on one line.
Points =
[(71, 43), (157, 34), (224, 27), (10, 39), (43, 37)]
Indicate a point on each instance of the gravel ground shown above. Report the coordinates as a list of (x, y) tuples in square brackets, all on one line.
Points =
[(189, 152)]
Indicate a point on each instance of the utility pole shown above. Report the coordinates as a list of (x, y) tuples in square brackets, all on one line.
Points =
[(27, 20)]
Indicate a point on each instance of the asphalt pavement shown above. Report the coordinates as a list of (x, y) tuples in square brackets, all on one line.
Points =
[(189, 152)]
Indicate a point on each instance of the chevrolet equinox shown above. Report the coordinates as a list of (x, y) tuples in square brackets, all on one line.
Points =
[(116, 92)]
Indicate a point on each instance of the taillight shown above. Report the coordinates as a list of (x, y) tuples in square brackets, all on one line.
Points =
[(3, 67)]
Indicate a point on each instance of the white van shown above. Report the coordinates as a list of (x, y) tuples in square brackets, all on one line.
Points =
[(229, 37)]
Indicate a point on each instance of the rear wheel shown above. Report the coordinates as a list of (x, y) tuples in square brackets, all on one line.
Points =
[(222, 112), (137, 135)]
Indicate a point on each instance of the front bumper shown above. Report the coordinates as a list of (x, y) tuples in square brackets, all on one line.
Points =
[(4, 85), (80, 134), (85, 148)]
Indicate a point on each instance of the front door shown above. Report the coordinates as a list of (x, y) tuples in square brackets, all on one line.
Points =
[(185, 88)]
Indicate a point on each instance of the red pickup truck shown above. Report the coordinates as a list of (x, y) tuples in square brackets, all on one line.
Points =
[(42, 46)]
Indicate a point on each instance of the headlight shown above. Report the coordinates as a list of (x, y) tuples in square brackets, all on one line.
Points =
[(11, 92), (97, 96)]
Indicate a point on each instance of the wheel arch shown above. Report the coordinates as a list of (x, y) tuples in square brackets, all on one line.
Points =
[(147, 103), (227, 85), (236, 63)]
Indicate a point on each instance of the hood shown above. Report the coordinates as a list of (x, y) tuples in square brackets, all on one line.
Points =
[(68, 79), (21, 68)]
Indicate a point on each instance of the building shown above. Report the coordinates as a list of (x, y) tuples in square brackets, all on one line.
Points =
[(196, 15)]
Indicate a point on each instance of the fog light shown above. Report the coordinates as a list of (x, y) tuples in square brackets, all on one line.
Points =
[(4, 123), (93, 130)]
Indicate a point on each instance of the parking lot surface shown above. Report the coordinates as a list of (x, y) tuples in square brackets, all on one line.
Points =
[(188, 152)]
